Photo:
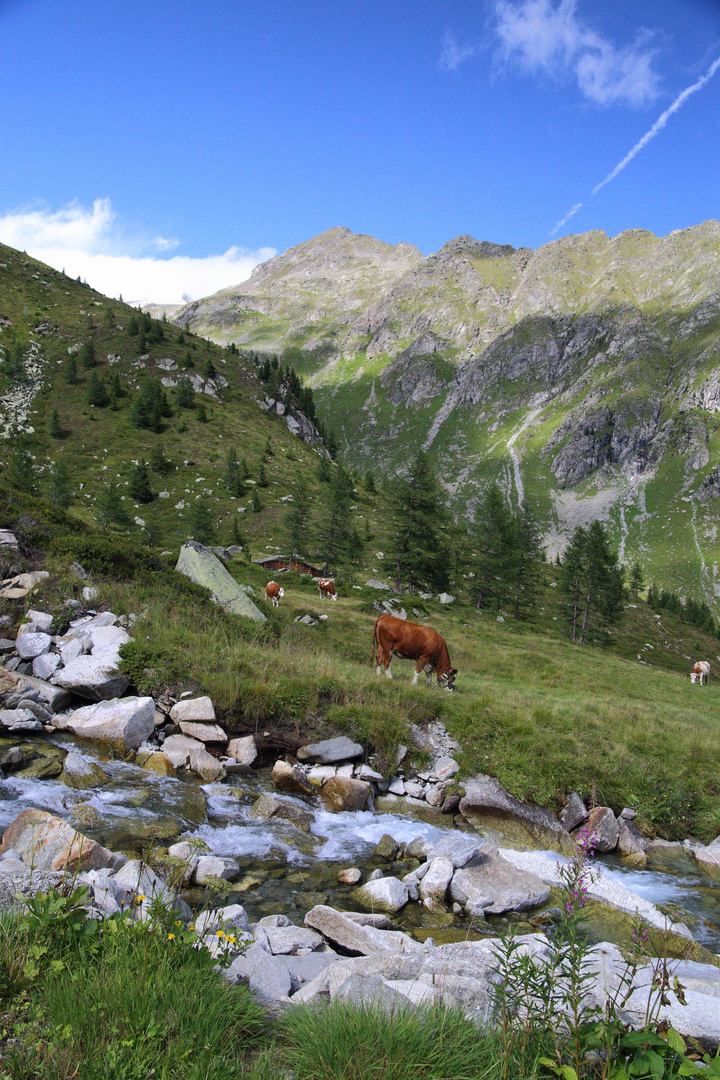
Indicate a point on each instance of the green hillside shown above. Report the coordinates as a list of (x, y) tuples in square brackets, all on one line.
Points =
[(583, 375)]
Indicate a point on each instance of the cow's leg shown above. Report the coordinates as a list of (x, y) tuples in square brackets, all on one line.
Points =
[(388, 672)]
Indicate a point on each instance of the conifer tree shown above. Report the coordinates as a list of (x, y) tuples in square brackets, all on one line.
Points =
[(88, 359), (202, 413), (140, 488), (236, 537), (336, 527), (233, 475), (492, 535), (70, 370), (209, 371), (110, 507), (201, 521), (56, 430), (370, 483), (60, 489), (256, 504), (296, 521), (96, 393), (185, 393), (592, 581), (159, 463), (636, 580), (418, 546), (525, 577), (323, 471), (20, 469), (262, 480)]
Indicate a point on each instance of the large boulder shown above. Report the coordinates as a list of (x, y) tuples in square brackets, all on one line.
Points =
[(353, 937), (46, 842), (95, 675), (201, 566), (185, 753), (487, 803), (54, 696), (205, 733), (708, 858), (343, 793), (383, 894), (602, 829), (81, 774), (330, 751), (434, 882), (244, 749), (122, 722), (494, 885), (289, 778), (191, 709)]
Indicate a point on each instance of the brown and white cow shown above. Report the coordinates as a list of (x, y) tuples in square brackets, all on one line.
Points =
[(273, 591), (326, 588), (701, 672), (412, 642)]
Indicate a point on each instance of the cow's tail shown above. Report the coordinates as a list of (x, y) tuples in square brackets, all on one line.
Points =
[(374, 643)]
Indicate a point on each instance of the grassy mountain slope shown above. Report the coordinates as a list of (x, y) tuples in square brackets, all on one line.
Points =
[(582, 375), (44, 315)]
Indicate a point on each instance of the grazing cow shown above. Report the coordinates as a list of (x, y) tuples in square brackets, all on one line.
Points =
[(701, 671), (273, 591), (412, 642), (326, 588)]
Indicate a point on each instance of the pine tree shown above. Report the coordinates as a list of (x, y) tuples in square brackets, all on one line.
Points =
[(268, 452), (56, 430), (185, 393), (336, 526), (323, 471), (256, 504), (20, 469), (140, 488), (236, 537), (296, 521), (159, 463), (525, 576), (110, 508), (133, 328), (262, 480), (636, 580), (202, 413), (492, 535), (233, 475), (201, 521), (418, 546), (60, 489), (592, 581), (209, 371), (70, 370), (96, 393), (189, 362), (88, 359), (370, 483)]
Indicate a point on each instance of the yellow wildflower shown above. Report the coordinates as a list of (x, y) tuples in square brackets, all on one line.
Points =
[(230, 938), (171, 937), (220, 933)]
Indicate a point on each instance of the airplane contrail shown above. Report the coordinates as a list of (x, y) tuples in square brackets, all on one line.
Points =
[(659, 123), (647, 137)]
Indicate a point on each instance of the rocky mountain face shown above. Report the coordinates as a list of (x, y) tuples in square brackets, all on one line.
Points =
[(584, 375)]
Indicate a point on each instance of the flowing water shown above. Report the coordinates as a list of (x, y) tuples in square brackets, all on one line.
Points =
[(284, 870)]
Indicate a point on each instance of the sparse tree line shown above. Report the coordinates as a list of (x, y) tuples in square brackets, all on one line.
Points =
[(282, 383)]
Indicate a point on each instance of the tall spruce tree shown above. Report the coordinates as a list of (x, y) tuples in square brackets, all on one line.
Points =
[(60, 487), (140, 488), (297, 519), (336, 524), (592, 581), (233, 475), (20, 469), (418, 546), (493, 538), (202, 521), (525, 577), (110, 507)]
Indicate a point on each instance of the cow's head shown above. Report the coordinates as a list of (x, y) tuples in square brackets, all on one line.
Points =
[(333, 596), (281, 591), (447, 679), (693, 676)]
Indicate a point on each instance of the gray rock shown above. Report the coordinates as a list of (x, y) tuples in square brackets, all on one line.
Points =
[(42, 619), (574, 812), (267, 976), (288, 939), (494, 885), (330, 751), (205, 733), (459, 848), (46, 665), (96, 676), (445, 598), (290, 778), (81, 774), (708, 858), (243, 750), (384, 894), (602, 828), (343, 793), (631, 842), (201, 566), (190, 709), (372, 991), (214, 866), (435, 881), (29, 646), (352, 936), (19, 720), (487, 803), (445, 768), (373, 583), (123, 722), (232, 918)]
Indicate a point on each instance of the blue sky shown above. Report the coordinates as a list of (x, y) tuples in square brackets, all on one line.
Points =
[(163, 149)]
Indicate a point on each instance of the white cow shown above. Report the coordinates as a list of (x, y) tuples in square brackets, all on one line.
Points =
[(701, 671)]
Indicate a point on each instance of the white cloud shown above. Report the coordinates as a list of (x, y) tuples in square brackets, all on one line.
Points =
[(454, 54), (91, 244), (552, 38)]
